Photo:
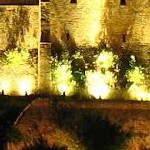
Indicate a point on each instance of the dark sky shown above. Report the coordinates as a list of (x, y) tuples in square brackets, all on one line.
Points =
[(19, 2)]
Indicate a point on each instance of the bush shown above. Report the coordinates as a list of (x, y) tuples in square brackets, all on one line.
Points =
[(94, 132), (42, 145)]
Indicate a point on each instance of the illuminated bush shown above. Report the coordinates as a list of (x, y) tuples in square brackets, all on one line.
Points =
[(16, 57), (106, 60), (17, 71), (96, 85), (78, 70), (135, 75), (138, 89), (102, 80), (62, 77)]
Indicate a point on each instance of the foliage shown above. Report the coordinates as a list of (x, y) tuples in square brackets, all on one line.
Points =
[(42, 145), (106, 60), (62, 77), (101, 80), (135, 74), (14, 135), (109, 72), (93, 131), (16, 57), (78, 69), (10, 108), (106, 64), (17, 68), (123, 65), (136, 77)]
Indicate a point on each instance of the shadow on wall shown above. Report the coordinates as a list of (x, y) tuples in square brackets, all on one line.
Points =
[(21, 26), (67, 44), (56, 47), (93, 131)]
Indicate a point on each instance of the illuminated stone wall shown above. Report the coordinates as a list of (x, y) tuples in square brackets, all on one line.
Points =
[(88, 23), (127, 29), (19, 27), (127, 26), (82, 22), (123, 27), (44, 78)]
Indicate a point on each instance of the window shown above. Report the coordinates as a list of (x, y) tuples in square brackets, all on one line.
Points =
[(124, 38), (45, 0), (45, 36), (123, 2), (67, 36), (73, 1)]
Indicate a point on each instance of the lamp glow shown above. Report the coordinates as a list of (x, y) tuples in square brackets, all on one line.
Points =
[(96, 85), (139, 92), (5, 86), (25, 86), (63, 78)]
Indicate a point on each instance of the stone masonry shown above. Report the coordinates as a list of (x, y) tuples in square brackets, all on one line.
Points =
[(123, 25)]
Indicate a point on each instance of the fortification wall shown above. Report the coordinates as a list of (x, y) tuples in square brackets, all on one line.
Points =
[(19, 27), (88, 23), (127, 26), (81, 21)]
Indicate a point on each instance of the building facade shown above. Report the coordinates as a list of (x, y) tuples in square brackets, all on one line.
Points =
[(39, 26)]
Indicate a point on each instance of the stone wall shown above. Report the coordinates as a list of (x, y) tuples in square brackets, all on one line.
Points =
[(19, 27), (89, 23), (81, 21), (127, 26), (44, 68), (86, 23)]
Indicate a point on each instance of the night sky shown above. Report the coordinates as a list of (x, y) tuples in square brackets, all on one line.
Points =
[(19, 2)]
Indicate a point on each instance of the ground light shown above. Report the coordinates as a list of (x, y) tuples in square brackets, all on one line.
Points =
[(96, 85), (25, 86), (63, 78), (139, 92), (5, 87)]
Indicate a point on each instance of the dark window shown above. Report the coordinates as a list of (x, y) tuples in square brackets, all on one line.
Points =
[(124, 38), (45, 36), (123, 2), (73, 1), (67, 36), (45, 0)]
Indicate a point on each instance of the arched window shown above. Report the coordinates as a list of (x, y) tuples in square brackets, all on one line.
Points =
[(123, 2)]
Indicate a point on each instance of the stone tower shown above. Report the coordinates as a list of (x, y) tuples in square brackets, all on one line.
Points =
[(44, 48)]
